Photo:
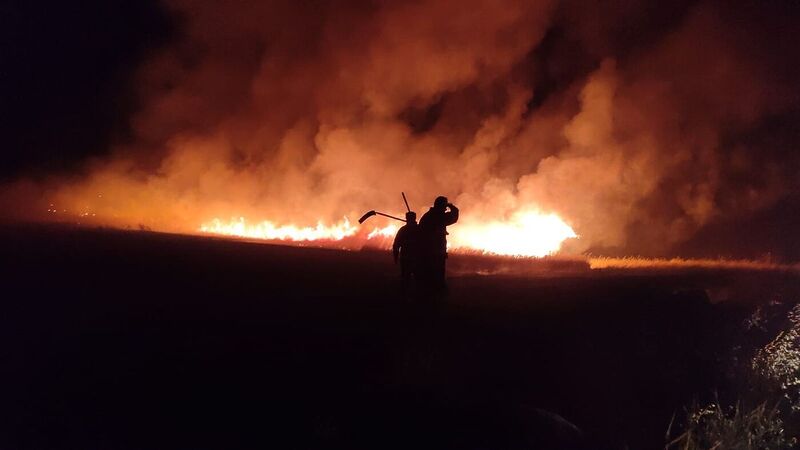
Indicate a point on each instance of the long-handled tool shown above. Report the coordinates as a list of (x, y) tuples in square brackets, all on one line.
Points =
[(369, 214)]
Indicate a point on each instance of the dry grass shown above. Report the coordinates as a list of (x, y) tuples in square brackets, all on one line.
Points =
[(602, 262), (737, 428)]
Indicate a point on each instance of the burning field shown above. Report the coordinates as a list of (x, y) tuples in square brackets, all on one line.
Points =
[(187, 262)]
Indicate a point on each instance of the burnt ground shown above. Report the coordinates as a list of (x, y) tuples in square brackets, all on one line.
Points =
[(131, 340)]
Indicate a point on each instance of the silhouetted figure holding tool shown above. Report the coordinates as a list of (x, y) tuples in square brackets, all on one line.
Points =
[(433, 245), (422, 249), (406, 250)]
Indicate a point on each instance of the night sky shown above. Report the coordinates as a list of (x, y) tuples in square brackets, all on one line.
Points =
[(65, 85)]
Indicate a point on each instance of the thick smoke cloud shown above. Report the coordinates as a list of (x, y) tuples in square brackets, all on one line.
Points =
[(638, 124)]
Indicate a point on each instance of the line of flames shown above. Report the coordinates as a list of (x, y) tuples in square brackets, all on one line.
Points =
[(530, 234), (524, 234)]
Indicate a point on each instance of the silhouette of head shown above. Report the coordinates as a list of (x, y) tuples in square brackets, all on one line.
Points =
[(411, 217), (440, 202)]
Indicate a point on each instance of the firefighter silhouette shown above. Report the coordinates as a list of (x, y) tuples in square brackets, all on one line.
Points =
[(406, 251), (433, 245)]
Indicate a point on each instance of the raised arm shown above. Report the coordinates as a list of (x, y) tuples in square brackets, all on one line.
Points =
[(451, 217)]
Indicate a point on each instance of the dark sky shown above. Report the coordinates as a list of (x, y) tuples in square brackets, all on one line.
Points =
[(65, 77)]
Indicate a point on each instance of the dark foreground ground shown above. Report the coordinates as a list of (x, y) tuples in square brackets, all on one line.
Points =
[(128, 340)]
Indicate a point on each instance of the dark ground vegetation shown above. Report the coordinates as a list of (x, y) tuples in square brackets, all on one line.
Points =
[(127, 340)]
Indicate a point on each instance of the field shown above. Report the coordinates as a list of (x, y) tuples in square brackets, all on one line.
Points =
[(130, 340)]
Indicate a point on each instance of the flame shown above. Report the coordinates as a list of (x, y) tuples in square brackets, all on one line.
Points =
[(528, 233), (270, 231), (386, 232)]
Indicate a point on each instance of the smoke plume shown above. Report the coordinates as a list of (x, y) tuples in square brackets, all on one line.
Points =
[(637, 124)]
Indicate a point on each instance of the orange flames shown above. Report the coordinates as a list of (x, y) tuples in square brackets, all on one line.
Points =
[(270, 231), (528, 233)]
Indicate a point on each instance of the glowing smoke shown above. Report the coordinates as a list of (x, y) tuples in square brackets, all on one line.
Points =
[(297, 114)]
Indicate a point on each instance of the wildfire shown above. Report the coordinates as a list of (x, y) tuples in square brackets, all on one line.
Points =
[(386, 232), (529, 233), (270, 231)]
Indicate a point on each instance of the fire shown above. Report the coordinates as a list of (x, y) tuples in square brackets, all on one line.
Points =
[(270, 231), (386, 232), (528, 233)]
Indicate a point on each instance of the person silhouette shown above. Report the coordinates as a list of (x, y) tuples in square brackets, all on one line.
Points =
[(405, 249), (433, 249)]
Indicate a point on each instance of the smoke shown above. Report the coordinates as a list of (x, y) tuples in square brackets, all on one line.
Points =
[(297, 112)]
